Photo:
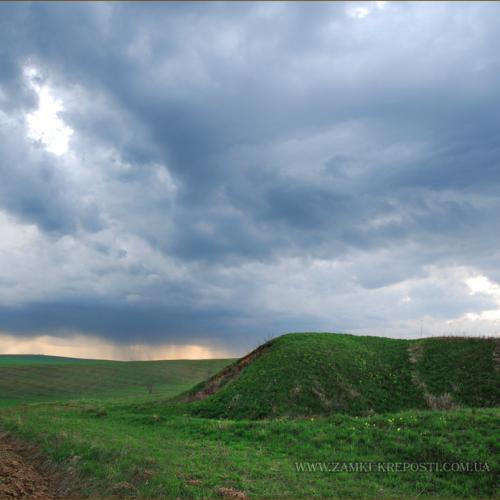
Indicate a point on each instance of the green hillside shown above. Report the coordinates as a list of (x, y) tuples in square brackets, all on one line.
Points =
[(41, 378), (366, 399), (321, 373)]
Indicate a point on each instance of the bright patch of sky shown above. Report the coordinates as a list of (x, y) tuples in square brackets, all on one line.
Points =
[(360, 12), (45, 124), (77, 346), (482, 285)]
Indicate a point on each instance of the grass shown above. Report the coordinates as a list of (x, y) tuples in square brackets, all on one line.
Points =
[(303, 402), (42, 378), (462, 367), (321, 373), (158, 451)]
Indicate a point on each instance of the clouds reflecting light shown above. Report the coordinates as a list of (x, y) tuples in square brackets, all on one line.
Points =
[(200, 175)]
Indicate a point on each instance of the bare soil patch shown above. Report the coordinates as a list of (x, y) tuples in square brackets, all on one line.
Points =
[(228, 374), (26, 473)]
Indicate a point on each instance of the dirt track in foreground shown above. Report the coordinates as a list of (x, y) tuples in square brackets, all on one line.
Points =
[(19, 475)]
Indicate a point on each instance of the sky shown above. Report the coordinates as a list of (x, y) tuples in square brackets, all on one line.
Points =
[(191, 179)]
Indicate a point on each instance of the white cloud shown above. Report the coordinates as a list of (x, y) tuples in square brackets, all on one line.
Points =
[(44, 124), (482, 285), (37, 267), (359, 12)]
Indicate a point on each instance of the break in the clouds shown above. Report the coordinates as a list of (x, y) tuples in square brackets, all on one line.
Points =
[(188, 174)]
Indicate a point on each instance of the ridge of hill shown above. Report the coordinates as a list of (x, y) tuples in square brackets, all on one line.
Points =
[(30, 359)]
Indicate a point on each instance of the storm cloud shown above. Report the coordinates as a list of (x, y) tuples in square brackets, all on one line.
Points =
[(230, 171)]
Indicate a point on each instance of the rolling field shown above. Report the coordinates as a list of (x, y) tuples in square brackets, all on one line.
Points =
[(247, 431), (49, 378)]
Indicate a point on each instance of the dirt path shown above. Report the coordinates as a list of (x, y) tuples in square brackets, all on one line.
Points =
[(19, 476)]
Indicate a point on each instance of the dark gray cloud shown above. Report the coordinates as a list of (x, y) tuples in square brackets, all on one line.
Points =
[(227, 158)]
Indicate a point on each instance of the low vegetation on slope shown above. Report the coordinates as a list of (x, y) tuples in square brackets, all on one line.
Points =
[(39, 378), (321, 373)]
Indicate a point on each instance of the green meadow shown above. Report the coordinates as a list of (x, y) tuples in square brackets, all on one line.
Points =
[(245, 430), (48, 378)]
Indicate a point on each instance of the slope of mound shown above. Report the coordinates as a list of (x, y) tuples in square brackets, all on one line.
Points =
[(321, 373)]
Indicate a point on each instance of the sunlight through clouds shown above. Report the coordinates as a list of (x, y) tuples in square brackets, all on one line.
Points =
[(44, 124), (79, 346), (200, 176), (359, 12), (362, 11)]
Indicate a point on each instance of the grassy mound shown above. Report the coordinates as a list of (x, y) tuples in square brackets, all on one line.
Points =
[(320, 373)]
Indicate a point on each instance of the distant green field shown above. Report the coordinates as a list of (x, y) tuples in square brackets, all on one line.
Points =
[(48, 378), (30, 359)]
